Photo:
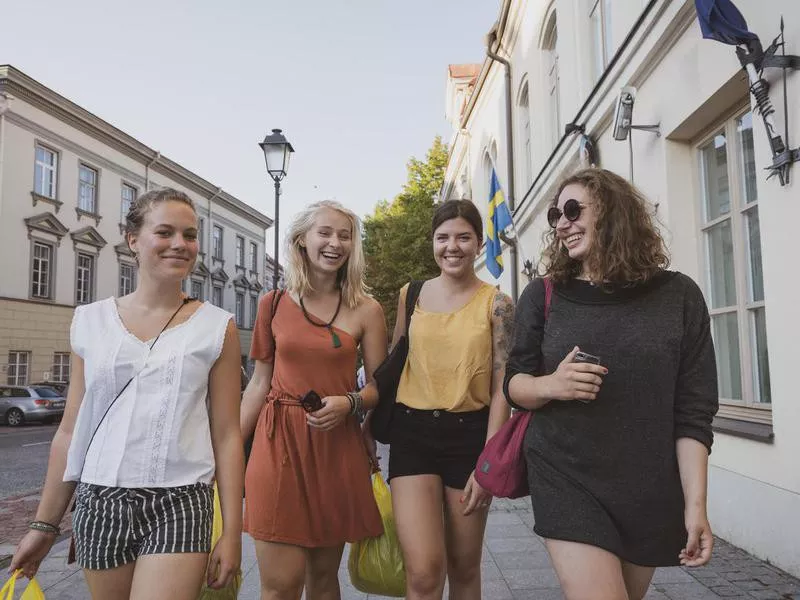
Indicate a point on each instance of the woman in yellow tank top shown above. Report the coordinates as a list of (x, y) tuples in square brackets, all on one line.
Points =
[(449, 403)]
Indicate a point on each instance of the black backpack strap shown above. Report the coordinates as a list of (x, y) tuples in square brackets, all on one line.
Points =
[(412, 295)]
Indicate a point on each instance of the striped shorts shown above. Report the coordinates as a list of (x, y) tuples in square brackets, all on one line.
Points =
[(114, 526)]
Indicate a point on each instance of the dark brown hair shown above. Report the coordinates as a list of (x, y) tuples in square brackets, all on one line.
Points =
[(144, 204), (628, 247), (452, 209)]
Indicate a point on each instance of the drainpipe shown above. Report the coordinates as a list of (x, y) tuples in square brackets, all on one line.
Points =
[(3, 109), (147, 171), (491, 38), (209, 241)]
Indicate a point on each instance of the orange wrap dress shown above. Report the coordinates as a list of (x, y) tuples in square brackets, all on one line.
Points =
[(303, 486)]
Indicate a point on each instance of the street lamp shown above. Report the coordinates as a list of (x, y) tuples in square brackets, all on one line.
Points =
[(277, 151)]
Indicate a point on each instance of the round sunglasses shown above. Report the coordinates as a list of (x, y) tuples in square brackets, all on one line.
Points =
[(572, 210)]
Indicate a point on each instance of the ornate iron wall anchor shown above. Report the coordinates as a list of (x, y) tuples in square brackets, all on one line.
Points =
[(754, 59)]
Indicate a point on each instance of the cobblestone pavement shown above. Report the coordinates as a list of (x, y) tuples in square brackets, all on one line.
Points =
[(515, 566)]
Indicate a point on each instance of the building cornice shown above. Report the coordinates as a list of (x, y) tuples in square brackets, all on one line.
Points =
[(27, 89), (46, 223), (502, 22), (89, 236)]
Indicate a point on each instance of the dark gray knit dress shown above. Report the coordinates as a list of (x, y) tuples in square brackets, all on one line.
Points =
[(606, 473)]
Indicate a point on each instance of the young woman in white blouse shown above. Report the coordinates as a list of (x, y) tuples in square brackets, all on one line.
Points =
[(143, 460)]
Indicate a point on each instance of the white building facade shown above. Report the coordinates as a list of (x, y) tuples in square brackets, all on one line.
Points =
[(727, 226), (67, 179)]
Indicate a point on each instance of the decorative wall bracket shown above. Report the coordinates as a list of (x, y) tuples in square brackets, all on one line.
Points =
[(754, 59)]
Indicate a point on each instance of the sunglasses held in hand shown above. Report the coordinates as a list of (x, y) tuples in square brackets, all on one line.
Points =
[(311, 402)]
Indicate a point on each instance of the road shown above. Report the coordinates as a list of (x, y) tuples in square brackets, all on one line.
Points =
[(24, 451)]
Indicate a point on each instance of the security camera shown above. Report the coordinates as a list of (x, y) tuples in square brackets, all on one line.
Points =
[(623, 115), (624, 112)]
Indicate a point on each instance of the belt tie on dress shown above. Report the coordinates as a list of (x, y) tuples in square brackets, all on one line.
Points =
[(273, 405)]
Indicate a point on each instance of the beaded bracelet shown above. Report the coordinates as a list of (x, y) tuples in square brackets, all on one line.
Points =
[(356, 402), (44, 527)]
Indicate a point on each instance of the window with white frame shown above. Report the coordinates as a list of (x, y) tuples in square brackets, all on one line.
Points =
[(216, 250), (127, 200), (84, 278), (45, 172), (733, 271), (253, 310), (525, 128), (239, 251), (216, 296), (253, 258), (18, 367), (197, 289), (239, 309), (553, 78), (87, 189), (61, 361), (600, 23), (127, 278), (42, 270)]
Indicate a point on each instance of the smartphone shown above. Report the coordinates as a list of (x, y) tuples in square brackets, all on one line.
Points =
[(585, 357), (311, 402)]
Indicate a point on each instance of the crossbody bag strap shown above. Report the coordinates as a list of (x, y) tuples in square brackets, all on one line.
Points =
[(276, 299), (412, 295), (548, 296), (124, 387)]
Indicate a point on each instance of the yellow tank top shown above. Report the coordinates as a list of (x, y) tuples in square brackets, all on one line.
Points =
[(449, 364)]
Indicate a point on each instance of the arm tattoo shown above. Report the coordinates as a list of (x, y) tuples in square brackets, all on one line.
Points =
[(504, 313)]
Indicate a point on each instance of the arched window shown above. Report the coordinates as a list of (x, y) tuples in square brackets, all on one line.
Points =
[(486, 177), (524, 118), (600, 23), (550, 46)]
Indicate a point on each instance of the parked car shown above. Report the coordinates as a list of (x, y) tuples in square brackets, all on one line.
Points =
[(58, 386), (27, 403)]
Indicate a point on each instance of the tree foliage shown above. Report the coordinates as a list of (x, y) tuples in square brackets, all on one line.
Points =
[(397, 236)]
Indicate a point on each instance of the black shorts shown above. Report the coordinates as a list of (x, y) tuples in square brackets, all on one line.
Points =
[(114, 526), (437, 442)]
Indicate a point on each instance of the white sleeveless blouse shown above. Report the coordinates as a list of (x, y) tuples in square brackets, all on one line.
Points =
[(157, 433)]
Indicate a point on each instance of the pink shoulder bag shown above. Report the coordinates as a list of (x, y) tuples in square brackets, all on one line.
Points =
[(501, 466)]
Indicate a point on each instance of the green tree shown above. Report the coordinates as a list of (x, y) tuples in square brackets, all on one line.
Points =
[(397, 236)]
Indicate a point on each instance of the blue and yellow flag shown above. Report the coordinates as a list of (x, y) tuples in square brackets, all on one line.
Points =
[(497, 220)]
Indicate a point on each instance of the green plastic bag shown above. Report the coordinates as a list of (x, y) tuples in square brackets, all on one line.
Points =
[(230, 591), (32, 591), (376, 564)]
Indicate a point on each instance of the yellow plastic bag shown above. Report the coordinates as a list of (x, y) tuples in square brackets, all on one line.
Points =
[(230, 591), (376, 564), (32, 592)]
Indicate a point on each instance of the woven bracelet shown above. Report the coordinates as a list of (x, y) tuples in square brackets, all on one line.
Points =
[(44, 527)]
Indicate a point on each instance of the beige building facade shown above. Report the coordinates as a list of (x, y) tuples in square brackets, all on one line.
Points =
[(727, 226), (66, 181)]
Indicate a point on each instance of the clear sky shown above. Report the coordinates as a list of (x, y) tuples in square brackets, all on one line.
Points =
[(357, 85)]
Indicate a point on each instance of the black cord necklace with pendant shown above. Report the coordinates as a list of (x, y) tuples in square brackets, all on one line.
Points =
[(337, 343)]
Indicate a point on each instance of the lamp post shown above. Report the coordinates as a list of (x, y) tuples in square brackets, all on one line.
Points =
[(277, 151)]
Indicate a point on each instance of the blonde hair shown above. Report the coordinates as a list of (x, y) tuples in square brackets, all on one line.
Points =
[(350, 277)]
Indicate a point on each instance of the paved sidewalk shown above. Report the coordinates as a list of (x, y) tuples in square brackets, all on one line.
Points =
[(15, 514), (515, 566)]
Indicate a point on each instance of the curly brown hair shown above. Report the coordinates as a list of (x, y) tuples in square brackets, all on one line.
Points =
[(628, 247)]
